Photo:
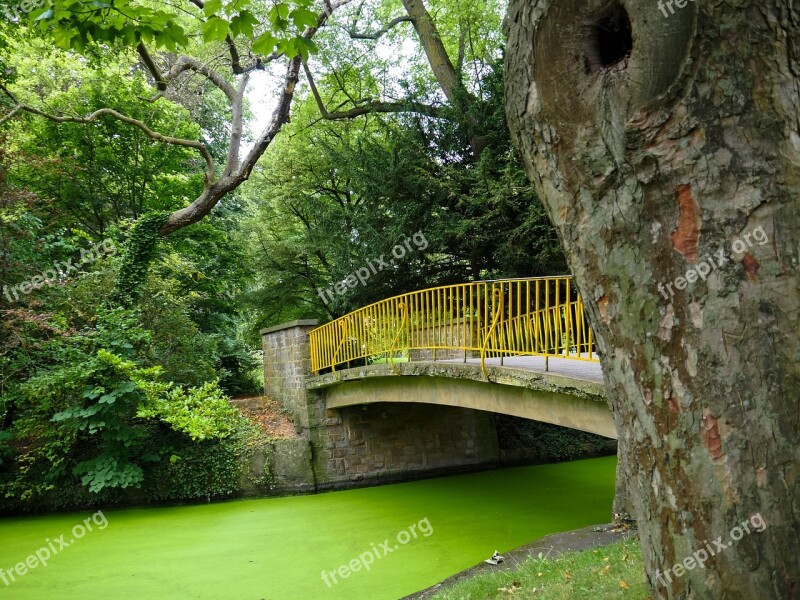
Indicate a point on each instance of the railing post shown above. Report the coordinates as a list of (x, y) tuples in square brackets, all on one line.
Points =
[(497, 296), (402, 308)]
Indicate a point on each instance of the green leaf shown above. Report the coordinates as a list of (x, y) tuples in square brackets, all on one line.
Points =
[(236, 6), (62, 37), (305, 47), (212, 7), (93, 392), (303, 18), (264, 44), (278, 17), (215, 29), (243, 23), (127, 387), (48, 14)]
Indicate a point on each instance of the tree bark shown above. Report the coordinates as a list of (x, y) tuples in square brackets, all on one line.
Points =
[(659, 151)]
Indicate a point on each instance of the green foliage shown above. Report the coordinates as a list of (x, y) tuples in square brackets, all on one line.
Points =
[(551, 442), (78, 24), (94, 177), (202, 413), (91, 397), (89, 412), (139, 252), (206, 470), (6, 452), (110, 398), (339, 195)]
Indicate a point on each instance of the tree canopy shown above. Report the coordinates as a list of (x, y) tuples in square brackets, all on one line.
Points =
[(125, 123)]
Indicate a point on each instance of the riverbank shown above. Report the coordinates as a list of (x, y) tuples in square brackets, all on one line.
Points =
[(596, 561)]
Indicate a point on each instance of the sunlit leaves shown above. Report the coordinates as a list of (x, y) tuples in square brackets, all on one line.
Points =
[(215, 29), (265, 43), (244, 24), (212, 7), (74, 24), (303, 17)]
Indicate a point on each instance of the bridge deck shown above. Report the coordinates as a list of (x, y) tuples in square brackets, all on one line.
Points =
[(570, 394), (576, 369)]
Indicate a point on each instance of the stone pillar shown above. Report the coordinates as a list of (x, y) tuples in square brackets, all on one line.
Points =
[(287, 363)]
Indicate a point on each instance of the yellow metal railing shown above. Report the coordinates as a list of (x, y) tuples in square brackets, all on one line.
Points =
[(478, 320)]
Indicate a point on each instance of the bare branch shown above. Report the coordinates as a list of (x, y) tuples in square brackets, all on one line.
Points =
[(234, 52), (237, 123), (279, 117), (10, 115), (152, 100), (213, 193), (368, 107), (187, 63), (377, 34), (236, 63)]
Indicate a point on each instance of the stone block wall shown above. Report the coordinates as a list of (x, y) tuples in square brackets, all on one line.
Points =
[(381, 443), (287, 363)]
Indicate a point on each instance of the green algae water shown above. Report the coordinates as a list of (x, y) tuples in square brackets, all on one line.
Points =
[(416, 534)]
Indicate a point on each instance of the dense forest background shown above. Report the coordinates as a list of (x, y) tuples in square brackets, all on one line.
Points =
[(96, 397)]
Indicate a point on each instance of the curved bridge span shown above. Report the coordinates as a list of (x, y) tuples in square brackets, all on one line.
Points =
[(566, 396)]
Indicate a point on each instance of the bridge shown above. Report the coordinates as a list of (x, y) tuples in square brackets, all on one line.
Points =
[(411, 384), (528, 336)]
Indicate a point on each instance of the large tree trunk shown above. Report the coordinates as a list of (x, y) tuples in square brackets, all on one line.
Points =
[(657, 143)]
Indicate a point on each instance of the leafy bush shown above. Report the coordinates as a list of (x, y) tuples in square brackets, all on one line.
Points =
[(206, 470), (202, 413), (105, 412), (93, 414)]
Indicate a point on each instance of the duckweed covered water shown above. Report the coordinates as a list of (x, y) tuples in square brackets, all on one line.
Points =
[(277, 549)]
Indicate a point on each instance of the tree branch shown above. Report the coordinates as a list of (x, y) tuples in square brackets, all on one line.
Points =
[(237, 123), (279, 117), (153, 135), (234, 52), (377, 34), (148, 61), (187, 63), (370, 107), (446, 75), (212, 194), (10, 115)]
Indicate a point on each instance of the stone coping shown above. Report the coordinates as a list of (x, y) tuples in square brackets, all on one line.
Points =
[(290, 325), (524, 378)]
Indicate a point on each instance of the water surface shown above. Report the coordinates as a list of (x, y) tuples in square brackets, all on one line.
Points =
[(277, 549)]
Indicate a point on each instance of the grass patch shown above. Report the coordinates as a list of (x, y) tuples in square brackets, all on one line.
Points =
[(614, 571)]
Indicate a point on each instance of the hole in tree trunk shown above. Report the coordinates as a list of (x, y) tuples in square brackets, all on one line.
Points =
[(609, 38)]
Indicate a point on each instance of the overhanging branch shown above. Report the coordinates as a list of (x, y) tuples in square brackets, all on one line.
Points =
[(381, 32), (187, 63), (153, 135), (369, 107)]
